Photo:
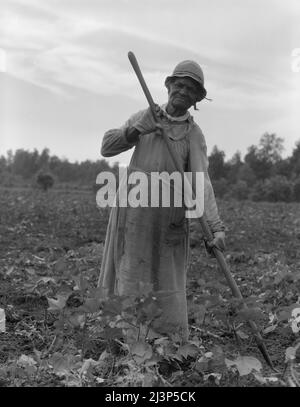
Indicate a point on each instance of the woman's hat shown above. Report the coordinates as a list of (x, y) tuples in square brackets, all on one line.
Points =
[(192, 70)]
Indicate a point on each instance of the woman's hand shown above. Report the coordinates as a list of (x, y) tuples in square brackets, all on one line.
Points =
[(147, 123), (218, 242)]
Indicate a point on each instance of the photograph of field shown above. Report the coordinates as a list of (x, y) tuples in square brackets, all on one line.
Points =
[(149, 196), (51, 247)]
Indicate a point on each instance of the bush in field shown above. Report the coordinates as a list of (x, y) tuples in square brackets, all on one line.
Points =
[(11, 180), (240, 190), (258, 192), (245, 173), (277, 188), (221, 187), (297, 190), (45, 180)]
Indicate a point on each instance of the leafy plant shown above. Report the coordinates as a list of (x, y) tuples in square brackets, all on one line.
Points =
[(45, 180)]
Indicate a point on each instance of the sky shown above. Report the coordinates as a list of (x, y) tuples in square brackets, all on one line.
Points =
[(65, 77)]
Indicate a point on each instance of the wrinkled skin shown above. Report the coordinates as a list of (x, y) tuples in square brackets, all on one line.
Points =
[(182, 95)]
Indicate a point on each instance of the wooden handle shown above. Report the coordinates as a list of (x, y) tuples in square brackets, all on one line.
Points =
[(141, 79)]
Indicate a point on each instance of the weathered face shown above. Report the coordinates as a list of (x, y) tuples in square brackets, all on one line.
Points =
[(183, 93)]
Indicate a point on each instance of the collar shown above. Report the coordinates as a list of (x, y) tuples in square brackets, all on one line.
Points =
[(182, 118)]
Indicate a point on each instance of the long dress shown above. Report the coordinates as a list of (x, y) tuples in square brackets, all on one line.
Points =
[(150, 245)]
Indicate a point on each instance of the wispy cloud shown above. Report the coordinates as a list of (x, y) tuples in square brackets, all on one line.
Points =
[(243, 47), (85, 43)]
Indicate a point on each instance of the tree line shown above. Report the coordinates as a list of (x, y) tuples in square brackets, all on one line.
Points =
[(23, 167), (261, 175)]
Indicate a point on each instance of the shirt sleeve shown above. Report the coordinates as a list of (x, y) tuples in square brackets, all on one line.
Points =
[(115, 142), (199, 162), (210, 206)]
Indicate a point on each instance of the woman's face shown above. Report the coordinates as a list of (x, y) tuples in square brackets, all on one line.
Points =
[(183, 93)]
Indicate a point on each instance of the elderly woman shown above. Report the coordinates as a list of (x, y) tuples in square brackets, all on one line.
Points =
[(149, 246)]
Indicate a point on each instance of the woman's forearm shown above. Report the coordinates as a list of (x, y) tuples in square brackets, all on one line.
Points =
[(117, 141), (132, 135)]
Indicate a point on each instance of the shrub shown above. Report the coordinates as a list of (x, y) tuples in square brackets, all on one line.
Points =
[(221, 187), (297, 190), (258, 192), (240, 190), (45, 180), (277, 188), (245, 173), (11, 180)]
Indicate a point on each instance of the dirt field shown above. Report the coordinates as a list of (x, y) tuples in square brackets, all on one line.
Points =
[(51, 243)]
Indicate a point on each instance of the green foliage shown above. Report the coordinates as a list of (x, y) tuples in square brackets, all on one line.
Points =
[(221, 187), (261, 163), (258, 192), (295, 160), (297, 190), (127, 321), (274, 189), (262, 158), (263, 176), (261, 166), (45, 180), (217, 164), (233, 167), (240, 190), (23, 165), (245, 173), (72, 335), (270, 147), (283, 167)]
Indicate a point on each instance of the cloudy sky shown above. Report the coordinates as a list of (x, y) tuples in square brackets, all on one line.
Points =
[(65, 78)]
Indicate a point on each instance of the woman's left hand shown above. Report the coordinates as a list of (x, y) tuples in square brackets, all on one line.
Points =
[(218, 242)]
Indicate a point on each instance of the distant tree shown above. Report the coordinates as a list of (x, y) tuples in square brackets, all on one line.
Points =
[(271, 147), (9, 158), (283, 167), (245, 173), (262, 158), (260, 167), (43, 159), (3, 164), (240, 190), (277, 188), (25, 163), (236, 159), (258, 192), (233, 166), (45, 180), (295, 159), (217, 168), (221, 187), (297, 190)]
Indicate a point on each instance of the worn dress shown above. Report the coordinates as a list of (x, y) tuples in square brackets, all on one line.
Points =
[(150, 245)]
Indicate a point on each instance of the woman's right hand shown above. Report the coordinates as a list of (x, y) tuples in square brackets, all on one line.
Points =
[(148, 124)]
